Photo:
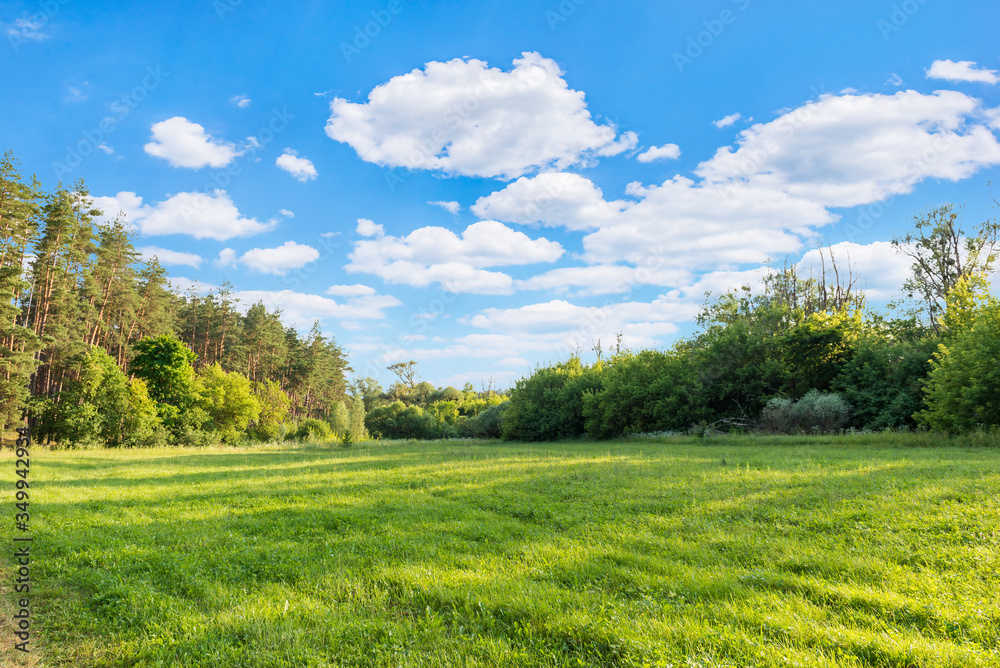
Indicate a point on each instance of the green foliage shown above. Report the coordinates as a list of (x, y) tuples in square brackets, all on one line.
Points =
[(229, 402), (963, 388), (740, 365), (339, 418), (444, 412), (816, 350), (18, 229), (165, 364), (313, 430), (356, 432), (274, 407), (103, 408), (884, 381), (399, 421), (644, 392), (486, 424), (942, 254), (368, 389), (549, 405), (815, 412)]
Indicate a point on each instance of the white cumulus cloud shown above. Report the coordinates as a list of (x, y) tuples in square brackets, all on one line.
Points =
[(963, 70), (665, 152), (241, 101), (170, 257), (450, 207), (300, 309), (301, 168), (356, 290), (197, 214), (458, 262), (463, 117), (183, 143), (844, 150), (368, 228), (280, 260)]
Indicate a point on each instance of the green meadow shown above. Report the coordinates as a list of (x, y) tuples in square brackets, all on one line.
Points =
[(846, 551)]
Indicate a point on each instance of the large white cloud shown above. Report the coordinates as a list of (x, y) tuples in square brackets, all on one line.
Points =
[(280, 260), (463, 117), (458, 262), (845, 150), (767, 197), (963, 70), (184, 143), (200, 215)]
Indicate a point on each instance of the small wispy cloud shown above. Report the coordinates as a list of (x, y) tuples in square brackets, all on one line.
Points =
[(29, 27), (76, 93), (728, 120), (301, 168), (450, 207), (665, 152)]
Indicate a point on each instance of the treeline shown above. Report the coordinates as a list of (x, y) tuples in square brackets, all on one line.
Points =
[(95, 348), (412, 410), (801, 356)]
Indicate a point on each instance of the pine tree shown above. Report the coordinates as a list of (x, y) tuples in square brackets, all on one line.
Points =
[(62, 273), (18, 230)]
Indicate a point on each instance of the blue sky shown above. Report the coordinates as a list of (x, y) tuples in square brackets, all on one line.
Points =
[(485, 186)]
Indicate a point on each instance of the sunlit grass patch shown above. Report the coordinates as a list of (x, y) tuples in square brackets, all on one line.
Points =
[(671, 551)]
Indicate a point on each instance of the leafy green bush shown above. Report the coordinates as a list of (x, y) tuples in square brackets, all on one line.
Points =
[(274, 407), (313, 430), (884, 382), (339, 419), (229, 402), (549, 404), (963, 388), (816, 412), (399, 421), (356, 431), (644, 392), (164, 363), (485, 425), (103, 408)]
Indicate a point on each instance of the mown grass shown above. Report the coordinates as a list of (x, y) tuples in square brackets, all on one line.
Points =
[(716, 552)]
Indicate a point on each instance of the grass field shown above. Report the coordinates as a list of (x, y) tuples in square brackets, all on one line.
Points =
[(746, 552)]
